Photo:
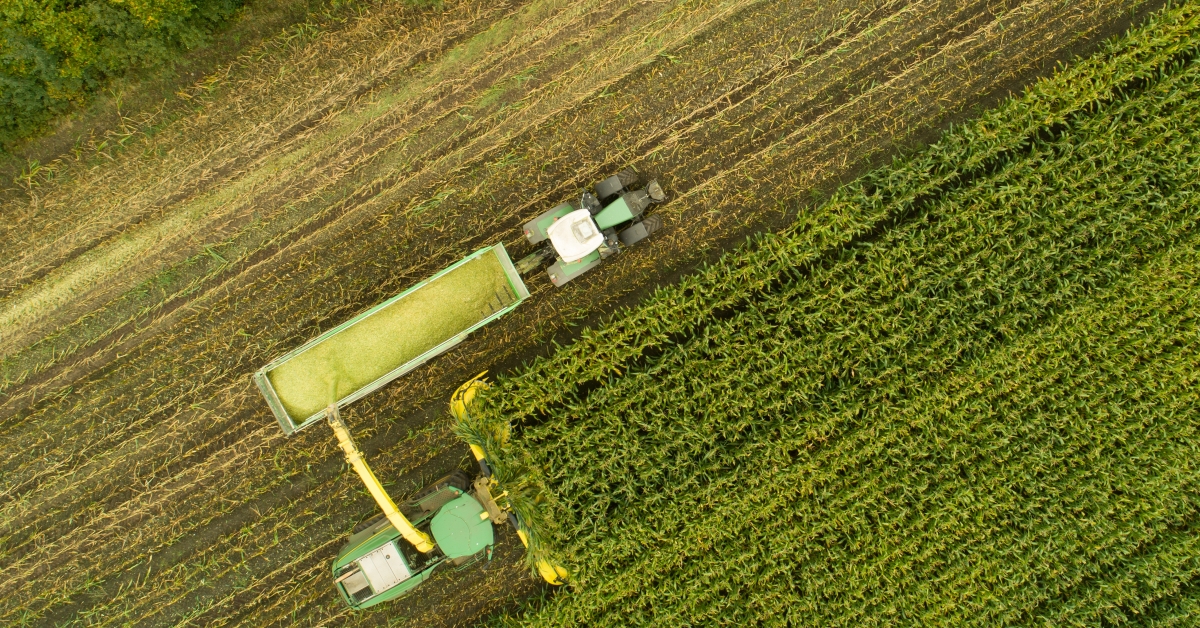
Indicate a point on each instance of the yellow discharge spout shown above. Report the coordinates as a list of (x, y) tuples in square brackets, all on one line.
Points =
[(419, 539)]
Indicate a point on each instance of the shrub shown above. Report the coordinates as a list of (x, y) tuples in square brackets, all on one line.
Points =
[(55, 52)]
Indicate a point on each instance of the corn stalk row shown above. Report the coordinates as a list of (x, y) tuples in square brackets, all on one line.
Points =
[(960, 392)]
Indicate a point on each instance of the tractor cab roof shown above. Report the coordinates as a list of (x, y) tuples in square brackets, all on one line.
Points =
[(575, 235)]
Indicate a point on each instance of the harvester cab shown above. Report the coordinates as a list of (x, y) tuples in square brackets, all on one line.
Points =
[(579, 235), (444, 524)]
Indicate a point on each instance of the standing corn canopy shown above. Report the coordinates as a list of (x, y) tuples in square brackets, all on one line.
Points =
[(963, 391)]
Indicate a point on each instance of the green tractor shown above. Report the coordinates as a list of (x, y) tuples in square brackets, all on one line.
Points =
[(579, 235)]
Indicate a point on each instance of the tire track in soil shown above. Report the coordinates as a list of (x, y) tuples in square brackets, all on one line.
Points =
[(288, 193), (462, 26), (20, 271), (525, 317)]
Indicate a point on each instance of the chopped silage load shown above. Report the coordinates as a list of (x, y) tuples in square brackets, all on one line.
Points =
[(392, 336)]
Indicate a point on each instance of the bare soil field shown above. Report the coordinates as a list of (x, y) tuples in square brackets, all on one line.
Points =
[(142, 477)]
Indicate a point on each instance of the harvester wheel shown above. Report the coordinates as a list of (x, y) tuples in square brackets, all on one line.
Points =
[(363, 525), (417, 504), (652, 223)]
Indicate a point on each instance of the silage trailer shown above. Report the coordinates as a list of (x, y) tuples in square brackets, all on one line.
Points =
[(375, 347)]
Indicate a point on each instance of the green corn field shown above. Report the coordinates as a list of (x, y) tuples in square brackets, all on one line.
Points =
[(962, 391)]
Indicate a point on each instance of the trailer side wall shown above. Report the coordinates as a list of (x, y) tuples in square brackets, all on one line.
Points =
[(391, 338)]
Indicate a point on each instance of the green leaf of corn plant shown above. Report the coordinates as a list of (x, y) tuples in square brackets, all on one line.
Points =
[(960, 392)]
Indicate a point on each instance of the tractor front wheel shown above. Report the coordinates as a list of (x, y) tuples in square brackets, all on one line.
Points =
[(613, 186)]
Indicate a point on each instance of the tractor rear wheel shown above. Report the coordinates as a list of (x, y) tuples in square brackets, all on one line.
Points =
[(636, 233)]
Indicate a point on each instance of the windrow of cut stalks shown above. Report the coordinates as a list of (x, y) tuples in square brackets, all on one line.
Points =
[(961, 392)]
